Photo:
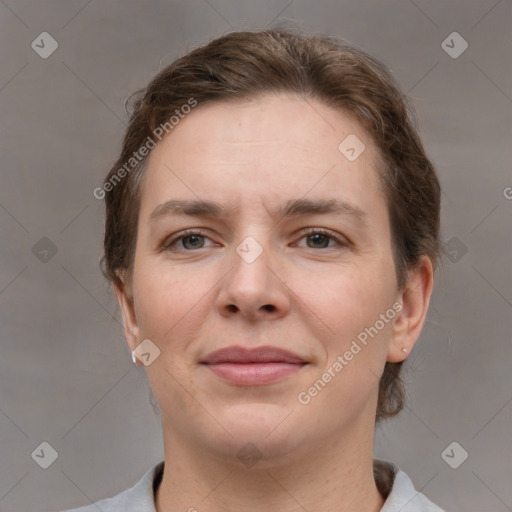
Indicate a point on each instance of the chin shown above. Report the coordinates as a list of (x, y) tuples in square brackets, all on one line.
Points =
[(258, 431)]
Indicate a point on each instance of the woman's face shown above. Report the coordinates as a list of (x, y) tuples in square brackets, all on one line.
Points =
[(257, 230)]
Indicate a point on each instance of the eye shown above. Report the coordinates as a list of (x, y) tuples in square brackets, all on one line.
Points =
[(187, 241), (321, 239)]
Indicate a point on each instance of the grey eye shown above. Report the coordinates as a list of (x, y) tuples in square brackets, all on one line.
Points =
[(193, 241), (318, 240)]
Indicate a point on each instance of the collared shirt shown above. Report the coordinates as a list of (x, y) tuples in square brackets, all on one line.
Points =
[(390, 479)]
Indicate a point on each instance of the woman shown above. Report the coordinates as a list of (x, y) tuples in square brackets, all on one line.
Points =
[(271, 235)]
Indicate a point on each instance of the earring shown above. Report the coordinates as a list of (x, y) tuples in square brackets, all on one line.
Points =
[(134, 359), (404, 350)]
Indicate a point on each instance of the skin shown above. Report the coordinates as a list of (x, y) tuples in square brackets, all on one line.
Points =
[(305, 293)]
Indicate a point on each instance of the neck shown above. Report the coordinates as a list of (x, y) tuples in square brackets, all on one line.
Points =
[(332, 476)]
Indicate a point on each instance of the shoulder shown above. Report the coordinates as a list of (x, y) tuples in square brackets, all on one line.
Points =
[(402, 495), (400, 491), (139, 498)]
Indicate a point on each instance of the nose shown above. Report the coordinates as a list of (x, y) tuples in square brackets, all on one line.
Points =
[(253, 290)]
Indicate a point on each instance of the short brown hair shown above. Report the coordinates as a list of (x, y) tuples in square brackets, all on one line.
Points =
[(242, 65)]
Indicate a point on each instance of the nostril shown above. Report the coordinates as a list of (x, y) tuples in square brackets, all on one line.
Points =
[(266, 307)]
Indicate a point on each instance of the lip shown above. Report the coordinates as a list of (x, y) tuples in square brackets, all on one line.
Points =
[(265, 354), (251, 367)]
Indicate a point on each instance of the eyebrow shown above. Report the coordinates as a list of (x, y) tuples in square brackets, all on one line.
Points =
[(298, 207), (292, 208), (188, 207)]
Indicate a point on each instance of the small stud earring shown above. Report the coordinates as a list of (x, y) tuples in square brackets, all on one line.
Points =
[(404, 350)]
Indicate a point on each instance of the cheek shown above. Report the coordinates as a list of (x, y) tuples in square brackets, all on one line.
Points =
[(169, 300), (349, 302), (355, 342), (344, 299)]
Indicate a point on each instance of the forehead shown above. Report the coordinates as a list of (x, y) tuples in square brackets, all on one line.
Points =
[(265, 147)]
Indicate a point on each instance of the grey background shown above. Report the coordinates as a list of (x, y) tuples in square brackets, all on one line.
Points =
[(66, 375)]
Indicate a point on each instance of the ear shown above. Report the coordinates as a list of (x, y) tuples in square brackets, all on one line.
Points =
[(415, 299), (125, 299)]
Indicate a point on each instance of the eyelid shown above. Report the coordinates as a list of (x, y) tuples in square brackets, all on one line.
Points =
[(171, 240), (339, 239)]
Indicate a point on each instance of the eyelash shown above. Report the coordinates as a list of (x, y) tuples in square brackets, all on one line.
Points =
[(168, 244)]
